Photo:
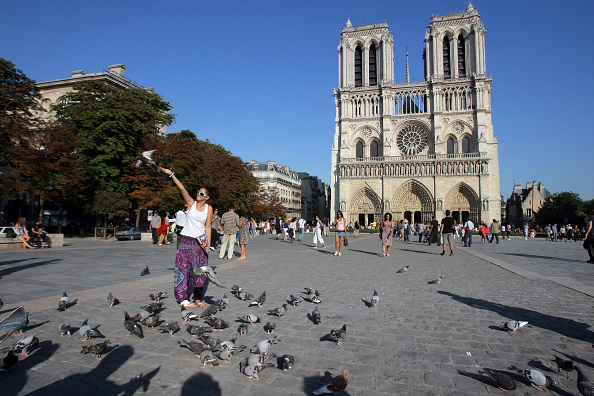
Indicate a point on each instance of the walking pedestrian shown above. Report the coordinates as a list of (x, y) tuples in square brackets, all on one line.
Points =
[(318, 232), (301, 224), (293, 229), (447, 230), (356, 231), (387, 228), (244, 235), (230, 223), (216, 226), (154, 225), (495, 227), (340, 225), (163, 230), (434, 235), (278, 226), (420, 230), (589, 237), (468, 228)]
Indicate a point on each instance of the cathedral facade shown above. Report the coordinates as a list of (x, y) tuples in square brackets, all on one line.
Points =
[(415, 149)]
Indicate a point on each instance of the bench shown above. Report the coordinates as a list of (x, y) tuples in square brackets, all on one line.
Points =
[(14, 243)]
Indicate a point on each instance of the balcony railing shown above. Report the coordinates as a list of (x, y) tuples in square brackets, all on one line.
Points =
[(412, 158)]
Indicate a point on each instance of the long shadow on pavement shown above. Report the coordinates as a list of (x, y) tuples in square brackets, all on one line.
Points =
[(567, 327), (544, 257), (16, 261), (8, 271), (202, 382)]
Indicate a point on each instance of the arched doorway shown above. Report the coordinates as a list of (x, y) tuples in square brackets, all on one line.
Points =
[(413, 201), (463, 202), (364, 207)]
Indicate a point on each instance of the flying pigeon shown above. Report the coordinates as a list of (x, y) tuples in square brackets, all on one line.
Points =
[(196, 330), (210, 274), (287, 362), (513, 325), (565, 365), (187, 315), (263, 346), (339, 334), (208, 357), (260, 300), (8, 361), (336, 384), (146, 160), (584, 385), (86, 331), (195, 347), (294, 300), (156, 297), (111, 300), (96, 349), (374, 299), (317, 317), (242, 329), (25, 345), (151, 321), (280, 311), (145, 271), (253, 370), (170, 328), (64, 329), (436, 281), (250, 318), (269, 327), (403, 270), (218, 324), (132, 327), (63, 303), (537, 378), (210, 311)]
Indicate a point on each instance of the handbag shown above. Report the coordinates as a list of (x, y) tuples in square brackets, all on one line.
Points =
[(346, 241)]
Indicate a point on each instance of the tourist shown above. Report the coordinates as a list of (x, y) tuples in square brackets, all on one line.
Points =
[(163, 231), (319, 226), (526, 231), (230, 223), (554, 232), (468, 228), (216, 226), (387, 230), (434, 235), (21, 233), (482, 232), (495, 231), (447, 230), (154, 225), (340, 225), (356, 231), (589, 237), (569, 234), (301, 224), (293, 229), (244, 235), (278, 226), (420, 230)]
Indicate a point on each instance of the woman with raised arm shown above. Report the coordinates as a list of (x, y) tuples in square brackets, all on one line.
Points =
[(194, 245)]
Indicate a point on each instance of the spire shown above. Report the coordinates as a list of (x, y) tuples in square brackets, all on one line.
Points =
[(349, 24), (470, 7), (407, 72)]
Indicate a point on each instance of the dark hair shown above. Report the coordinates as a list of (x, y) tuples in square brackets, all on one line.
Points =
[(212, 192), (447, 212), (339, 213), (386, 216)]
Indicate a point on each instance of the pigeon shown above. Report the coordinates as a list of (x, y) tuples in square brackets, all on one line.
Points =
[(218, 324), (151, 321), (210, 311), (250, 318), (294, 300), (315, 299), (195, 347), (317, 317), (8, 361), (403, 270), (146, 160), (263, 346), (145, 271), (242, 329), (537, 378), (313, 295), (222, 303), (287, 362), (152, 307), (208, 357), (227, 354), (112, 300), (188, 315), (141, 316), (374, 299), (336, 384), (255, 358), (210, 274), (96, 349), (170, 328), (436, 281), (339, 334), (227, 345), (132, 326), (86, 331), (211, 341), (196, 330), (565, 365), (269, 327), (260, 300), (63, 303), (236, 289), (25, 345), (280, 311), (253, 370), (156, 297), (584, 385), (503, 381), (513, 325), (245, 296), (64, 329)]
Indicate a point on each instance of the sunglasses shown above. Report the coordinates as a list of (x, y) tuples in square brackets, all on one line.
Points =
[(202, 194)]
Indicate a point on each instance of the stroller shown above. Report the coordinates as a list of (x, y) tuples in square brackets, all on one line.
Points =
[(15, 321)]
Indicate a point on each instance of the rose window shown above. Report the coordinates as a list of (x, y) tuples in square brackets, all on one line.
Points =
[(412, 140)]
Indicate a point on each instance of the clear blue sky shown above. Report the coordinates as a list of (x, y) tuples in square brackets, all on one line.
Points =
[(257, 77)]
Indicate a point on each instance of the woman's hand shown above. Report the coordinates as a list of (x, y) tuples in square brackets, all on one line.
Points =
[(166, 171)]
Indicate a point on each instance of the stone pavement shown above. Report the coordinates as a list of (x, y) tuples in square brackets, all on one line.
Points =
[(414, 343)]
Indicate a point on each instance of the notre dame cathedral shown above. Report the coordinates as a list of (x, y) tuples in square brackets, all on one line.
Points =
[(415, 149)]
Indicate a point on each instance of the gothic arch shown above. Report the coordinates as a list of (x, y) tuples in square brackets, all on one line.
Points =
[(413, 197), (372, 40), (365, 133), (461, 31), (365, 202), (462, 198)]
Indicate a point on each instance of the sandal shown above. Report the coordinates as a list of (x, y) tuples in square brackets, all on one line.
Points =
[(188, 304), (200, 304)]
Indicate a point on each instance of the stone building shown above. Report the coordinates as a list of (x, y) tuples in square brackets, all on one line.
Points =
[(313, 198), (416, 148), (53, 91), (281, 180), (523, 203)]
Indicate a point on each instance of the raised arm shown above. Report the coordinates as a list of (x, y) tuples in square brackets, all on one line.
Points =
[(184, 192)]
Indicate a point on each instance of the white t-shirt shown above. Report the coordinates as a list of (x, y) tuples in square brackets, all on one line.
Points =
[(195, 222), (301, 223)]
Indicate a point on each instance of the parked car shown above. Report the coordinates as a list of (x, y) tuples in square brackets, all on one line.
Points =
[(7, 232), (131, 234)]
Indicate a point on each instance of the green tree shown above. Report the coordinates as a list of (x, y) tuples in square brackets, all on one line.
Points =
[(111, 123), (561, 208)]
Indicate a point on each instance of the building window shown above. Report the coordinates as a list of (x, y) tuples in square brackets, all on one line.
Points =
[(358, 67), (359, 150), (372, 65), (465, 145), (374, 149), (461, 57), (446, 57), (529, 212), (451, 149)]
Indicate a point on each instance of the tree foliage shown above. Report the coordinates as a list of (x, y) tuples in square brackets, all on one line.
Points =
[(562, 208)]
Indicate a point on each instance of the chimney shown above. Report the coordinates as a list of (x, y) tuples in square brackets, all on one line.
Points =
[(528, 185), (117, 69)]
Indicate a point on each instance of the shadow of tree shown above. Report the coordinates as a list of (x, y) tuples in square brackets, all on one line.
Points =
[(543, 257), (202, 382), (19, 374), (8, 271), (567, 327)]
